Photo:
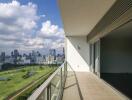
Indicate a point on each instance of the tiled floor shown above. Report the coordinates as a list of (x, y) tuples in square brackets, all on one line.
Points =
[(71, 89), (91, 88)]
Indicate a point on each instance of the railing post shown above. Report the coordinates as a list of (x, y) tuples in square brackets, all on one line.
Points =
[(49, 92), (61, 80), (65, 68)]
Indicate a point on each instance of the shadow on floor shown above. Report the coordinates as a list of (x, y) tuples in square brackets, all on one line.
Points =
[(71, 85)]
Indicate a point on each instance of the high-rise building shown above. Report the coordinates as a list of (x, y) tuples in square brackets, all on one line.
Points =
[(2, 56), (15, 56), (33, 57), (52, 52), (16, 53)]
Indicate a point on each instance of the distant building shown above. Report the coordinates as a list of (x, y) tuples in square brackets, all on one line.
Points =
[(1, 66), (52, 56), (60, 59), (44, 58), (47, 59), (33, 57), (52, 52), (52, 59), (9, 59), (39, 60), (36, 58), (2, 57), (24, 60), (15, 55)]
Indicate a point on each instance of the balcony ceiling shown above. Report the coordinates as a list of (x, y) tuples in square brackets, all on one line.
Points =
[(80, 16)]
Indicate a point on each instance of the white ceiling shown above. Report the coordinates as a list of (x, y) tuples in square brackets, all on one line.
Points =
[(80, 16)]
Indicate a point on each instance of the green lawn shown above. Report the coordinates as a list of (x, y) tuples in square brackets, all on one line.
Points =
[(17, 81)]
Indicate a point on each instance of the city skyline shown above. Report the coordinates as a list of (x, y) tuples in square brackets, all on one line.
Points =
[(34, 57), (48, 52), (30, 25)]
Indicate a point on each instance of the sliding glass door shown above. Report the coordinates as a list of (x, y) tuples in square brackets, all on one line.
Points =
[(95, 57)]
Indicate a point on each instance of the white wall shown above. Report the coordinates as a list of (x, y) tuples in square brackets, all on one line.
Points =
[(77, 53)]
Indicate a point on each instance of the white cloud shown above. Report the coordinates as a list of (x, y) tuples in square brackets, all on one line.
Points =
[(53, 35), (35, 43), (17, 24), (17, 18), (48, 28)]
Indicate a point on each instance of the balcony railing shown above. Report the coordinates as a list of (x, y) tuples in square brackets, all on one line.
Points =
[(52, 88)]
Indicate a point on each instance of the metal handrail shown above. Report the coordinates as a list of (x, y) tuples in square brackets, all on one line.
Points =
[(46, 84)]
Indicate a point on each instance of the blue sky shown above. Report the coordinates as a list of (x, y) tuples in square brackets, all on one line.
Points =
[(48, 7), (30, 25)]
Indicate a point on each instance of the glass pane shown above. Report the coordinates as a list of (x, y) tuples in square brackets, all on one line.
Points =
[(56, 86), (43, 96)]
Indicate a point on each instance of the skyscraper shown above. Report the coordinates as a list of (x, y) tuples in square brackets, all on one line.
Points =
[(15, 55), (52, 52), (2, 56)]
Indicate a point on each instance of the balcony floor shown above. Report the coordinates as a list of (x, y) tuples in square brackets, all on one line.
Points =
[(87, 86)]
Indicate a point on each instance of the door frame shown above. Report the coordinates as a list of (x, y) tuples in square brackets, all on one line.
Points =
[(95, 61)]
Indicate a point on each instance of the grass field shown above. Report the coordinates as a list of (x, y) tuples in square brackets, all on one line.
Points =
[(17, 81)]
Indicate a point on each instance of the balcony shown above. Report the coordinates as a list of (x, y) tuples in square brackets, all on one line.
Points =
[(87, 86), (98, 37), (98, 47), (66, 84)]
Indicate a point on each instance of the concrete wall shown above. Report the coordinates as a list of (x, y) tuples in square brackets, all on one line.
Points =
[(116, 54), (77, 53)]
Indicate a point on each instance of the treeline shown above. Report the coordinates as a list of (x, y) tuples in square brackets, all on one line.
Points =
[(8, 66)]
